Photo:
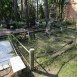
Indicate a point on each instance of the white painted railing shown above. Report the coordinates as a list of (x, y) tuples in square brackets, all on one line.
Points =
[(30, 52)]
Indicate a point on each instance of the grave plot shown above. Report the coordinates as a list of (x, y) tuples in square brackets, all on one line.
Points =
[(48, 47), (45, 45), (51, 51)]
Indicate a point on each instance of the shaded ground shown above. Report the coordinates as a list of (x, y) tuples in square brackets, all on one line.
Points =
[(64, 65), (55, 55), (5, 73)]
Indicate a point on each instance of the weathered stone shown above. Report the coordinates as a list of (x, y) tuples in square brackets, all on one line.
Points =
[(31, 35), (62, 28), (49, 28)]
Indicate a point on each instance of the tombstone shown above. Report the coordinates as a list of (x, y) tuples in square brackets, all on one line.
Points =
[(49, 28), (57, 24), (11, 27), (62, 28), (52, 31), (40, 24), (31, 35)]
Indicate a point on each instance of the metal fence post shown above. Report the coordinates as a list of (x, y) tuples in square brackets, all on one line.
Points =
[(31, 58)]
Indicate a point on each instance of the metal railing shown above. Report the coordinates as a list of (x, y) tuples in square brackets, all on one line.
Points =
[(30, 52)]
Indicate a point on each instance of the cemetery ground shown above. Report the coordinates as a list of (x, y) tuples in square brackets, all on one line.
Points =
[(55, 55)]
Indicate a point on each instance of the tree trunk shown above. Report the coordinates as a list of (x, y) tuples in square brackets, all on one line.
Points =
[(21, 9), (26, 15), (59, 10), (15, 9), (62, 3), (46, 10), (37, 9)]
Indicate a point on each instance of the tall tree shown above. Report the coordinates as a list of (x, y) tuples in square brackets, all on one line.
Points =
[(62, 5), (37, 8), (21, 9), (46, 10), (41, 12), (26, 11), (32, 12), (15, 9)]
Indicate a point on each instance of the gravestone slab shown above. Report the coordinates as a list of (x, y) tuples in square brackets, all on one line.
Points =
[(31, 35)]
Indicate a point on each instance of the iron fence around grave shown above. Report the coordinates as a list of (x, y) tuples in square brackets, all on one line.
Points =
[(26, 55)]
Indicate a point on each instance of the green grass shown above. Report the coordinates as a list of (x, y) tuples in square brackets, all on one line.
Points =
[(65, 62), (69, 70)]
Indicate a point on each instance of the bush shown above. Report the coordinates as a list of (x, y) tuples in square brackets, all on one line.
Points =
[(67, 22), (17, 24)]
